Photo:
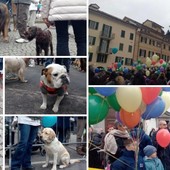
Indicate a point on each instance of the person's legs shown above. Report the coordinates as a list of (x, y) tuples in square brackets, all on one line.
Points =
[(81, 122), (26, 163), (66, 62), (22, 17), (32, 17), (79, 27), (62, 38), (21, 147)]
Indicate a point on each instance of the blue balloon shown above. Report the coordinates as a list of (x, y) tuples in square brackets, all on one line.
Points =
[(48, 121), (97, 70), (126, 70), (114, 50), (106, 91), (155, 109), (119, 64), (166, 88)]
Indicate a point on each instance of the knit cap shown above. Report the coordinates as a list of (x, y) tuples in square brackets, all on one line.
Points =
[(149, 150)]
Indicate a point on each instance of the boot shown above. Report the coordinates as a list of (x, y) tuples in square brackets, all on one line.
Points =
[(79, 151)]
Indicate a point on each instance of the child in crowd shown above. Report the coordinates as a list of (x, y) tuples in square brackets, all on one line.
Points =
[(151, 160)]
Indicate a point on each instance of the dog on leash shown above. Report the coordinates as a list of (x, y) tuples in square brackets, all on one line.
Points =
[(43, 39), (54, 80), (17, 66), (4, 21), (55, 148)]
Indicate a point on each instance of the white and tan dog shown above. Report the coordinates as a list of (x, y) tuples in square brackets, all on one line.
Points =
[(54, 80), (55, 148), (17, 66)]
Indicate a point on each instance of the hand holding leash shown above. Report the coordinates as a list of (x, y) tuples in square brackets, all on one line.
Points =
[(45, 20)]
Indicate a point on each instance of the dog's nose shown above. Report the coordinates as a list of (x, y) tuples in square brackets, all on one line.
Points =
[(63, 76)]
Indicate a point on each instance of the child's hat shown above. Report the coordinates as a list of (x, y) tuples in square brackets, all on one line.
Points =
[(149, 150)]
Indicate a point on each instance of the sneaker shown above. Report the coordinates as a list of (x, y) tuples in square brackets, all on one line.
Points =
[(21, 40)]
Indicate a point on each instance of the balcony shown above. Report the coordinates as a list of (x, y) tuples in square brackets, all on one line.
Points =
[(105, 36)]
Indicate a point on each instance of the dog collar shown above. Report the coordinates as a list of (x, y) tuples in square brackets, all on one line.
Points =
[(52, 90)]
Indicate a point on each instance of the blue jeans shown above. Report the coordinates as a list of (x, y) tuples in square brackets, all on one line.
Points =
[(79, 27), (22, 155), (63, 61)]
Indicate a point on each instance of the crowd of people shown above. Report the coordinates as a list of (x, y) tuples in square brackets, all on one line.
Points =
[(150, 76), (123, 149)]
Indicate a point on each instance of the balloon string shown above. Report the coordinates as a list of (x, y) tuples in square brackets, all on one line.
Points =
[(100, 149)]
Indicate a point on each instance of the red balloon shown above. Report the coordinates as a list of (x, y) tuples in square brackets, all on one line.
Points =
[(163, 137), (115, 65), (149, 94), (161, 61), (130, 119)]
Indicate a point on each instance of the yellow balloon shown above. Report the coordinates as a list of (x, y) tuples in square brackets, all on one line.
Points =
[(166, 98), (155, 58), (129, 98), (147, 72), (148, 62)]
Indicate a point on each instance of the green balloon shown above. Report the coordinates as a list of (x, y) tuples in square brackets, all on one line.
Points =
[(92, 90), (112, 100), (98, 109), (160, 94)]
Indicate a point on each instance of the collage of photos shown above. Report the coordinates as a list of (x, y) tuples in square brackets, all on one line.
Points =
[(84, 85)]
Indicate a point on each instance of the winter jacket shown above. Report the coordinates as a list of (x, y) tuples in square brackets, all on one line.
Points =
[(59, 10), (145, 140), (127, 162), (153, 164), (163, 153)]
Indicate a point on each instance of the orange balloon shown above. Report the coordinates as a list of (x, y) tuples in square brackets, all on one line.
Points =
[(130, 119)]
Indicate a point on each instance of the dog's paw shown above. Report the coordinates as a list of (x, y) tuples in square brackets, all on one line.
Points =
[(62, 166), (54, 168), (55, 109), (45, 165), (43, 106)]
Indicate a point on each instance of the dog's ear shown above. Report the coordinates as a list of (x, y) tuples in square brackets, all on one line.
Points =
[(52, 135), (44, 71)]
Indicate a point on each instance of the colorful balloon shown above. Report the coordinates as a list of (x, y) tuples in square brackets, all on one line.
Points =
[(106, 91), (114, 50), (92, 90), (155, 109), (163, 137), (149, 94), (48, 121), (130, 119), (112, 100), (129, 98), (166, 98), (98, 109)]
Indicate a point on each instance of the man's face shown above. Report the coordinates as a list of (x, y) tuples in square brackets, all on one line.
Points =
[(163, 125)]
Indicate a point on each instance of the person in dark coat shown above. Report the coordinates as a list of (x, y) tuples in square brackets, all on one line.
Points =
[(163, 153), (127, 160), (139, 133)]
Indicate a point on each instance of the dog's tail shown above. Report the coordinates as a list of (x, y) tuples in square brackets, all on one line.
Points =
[(72, 161)]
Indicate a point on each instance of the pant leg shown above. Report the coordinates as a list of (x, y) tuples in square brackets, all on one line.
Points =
[(66, 62), (81, 123), (22, 17), (26, 163), (32, 17), (20, 151), (79, 27), (62, 38)]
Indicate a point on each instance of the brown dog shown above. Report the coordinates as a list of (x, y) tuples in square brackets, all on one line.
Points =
[(4, 21), (43, 39)]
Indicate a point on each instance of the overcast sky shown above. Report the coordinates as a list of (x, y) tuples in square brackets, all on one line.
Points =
[(139, 10)]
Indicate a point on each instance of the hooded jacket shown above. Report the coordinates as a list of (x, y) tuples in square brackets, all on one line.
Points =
[(59, 10), (153, 163)]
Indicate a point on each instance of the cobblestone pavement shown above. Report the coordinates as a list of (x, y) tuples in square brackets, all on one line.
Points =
[(28, 49)]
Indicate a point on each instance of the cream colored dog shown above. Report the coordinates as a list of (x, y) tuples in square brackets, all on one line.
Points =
[(55, 148), (17, 66)]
